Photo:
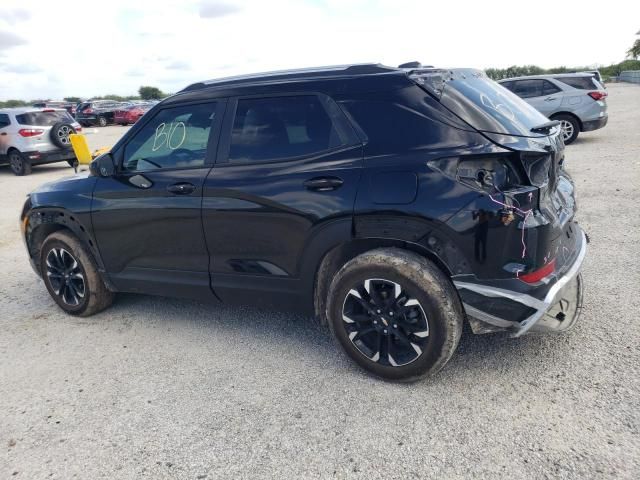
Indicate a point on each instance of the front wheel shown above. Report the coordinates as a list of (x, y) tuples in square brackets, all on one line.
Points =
[(395, 313), (102, 122), (71, 275)]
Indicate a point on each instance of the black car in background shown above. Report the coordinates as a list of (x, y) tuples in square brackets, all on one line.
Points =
[(68, 106), (97, 112), (395, 204)]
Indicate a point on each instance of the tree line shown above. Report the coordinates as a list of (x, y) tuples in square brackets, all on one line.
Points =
[(145, 92), (525, 70)]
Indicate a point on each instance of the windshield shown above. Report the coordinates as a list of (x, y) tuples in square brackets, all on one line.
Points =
[(487, 105)]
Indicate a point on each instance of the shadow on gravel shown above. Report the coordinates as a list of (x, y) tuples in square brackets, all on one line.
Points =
[(475, 352), (62, 167)]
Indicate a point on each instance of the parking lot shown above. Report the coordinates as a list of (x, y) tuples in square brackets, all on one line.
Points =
[(163, 388)]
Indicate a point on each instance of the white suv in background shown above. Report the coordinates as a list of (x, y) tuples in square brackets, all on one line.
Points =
[(34, 136), (576, 100)]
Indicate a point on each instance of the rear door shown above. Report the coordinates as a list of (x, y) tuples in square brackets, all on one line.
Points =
[(549, 102), (147, 216), (282, 190)]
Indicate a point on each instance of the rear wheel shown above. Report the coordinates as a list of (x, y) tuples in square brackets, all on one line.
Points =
[(395, 313), (102, 122), (71, 276), (19, 164), (570, 127)]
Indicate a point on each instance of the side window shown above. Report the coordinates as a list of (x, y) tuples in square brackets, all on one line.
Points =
[(281, 127), (528, 88), (175, 138), (549, 88), (507, 85), (4, 120)]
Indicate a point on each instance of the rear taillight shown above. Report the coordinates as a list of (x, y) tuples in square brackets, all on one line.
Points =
[(597, 95), (30, 132), (78, 129), (537, 275)]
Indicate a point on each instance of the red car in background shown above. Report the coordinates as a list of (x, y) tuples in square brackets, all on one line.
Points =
[(131, 114)]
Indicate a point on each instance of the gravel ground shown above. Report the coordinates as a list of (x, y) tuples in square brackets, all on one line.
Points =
[(162, 388)]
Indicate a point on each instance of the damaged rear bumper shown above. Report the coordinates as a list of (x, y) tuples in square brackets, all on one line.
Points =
[(555, 308)]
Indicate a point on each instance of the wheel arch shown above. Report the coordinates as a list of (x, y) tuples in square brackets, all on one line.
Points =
[(42, 222), (339, 255), (562, 112)]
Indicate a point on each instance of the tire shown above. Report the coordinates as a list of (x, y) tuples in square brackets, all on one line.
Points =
[(102, 122), (77, 290), (569, 122), (19, 164), (59, 135), (419, 331)]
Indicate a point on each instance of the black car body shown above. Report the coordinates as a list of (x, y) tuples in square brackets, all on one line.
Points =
[(97, 112), (267, 208)]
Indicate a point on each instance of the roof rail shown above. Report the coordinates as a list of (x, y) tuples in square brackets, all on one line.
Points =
[(295, 74)]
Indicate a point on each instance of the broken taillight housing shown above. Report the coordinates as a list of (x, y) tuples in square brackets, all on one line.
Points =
[(490, 173)]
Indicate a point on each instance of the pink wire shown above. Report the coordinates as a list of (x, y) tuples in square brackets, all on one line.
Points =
[(524, 214)]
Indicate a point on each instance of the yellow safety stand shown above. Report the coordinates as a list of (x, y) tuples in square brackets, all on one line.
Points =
[(81, 149)]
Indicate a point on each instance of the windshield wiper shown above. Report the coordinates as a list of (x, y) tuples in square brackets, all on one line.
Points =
[(545, 127)]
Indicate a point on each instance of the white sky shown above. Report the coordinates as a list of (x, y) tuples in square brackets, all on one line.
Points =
[(114, 46)]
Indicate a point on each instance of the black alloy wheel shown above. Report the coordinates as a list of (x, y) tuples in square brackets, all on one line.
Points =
[(66, 277), (385, 323)]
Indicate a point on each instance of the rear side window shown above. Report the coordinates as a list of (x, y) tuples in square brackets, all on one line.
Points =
[(44, 119), (582, 83), (4, 120), (528, 88), (275, 128), (549, 88)]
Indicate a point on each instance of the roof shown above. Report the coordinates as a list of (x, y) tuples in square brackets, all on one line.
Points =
[(548, 75), (284, 76), (19, 110)]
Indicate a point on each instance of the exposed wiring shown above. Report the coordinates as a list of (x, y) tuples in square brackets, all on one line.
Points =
[(523, 213)]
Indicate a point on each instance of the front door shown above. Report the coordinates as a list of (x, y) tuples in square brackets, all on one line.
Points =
[(282, 189), (147, 217)]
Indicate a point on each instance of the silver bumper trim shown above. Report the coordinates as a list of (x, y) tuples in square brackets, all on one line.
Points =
[(541, 306)]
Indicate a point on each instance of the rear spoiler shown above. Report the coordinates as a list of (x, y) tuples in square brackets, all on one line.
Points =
[(545, 127)]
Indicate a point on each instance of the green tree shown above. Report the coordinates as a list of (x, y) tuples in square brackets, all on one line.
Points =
[(13, 103), (72, 99), (150, 93), (634, 51)]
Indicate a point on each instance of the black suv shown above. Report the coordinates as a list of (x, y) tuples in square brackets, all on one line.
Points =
[(394, 203), (97, 112)]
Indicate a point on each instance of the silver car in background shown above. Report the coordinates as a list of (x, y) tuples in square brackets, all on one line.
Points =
[(34, 136), (577, 100)]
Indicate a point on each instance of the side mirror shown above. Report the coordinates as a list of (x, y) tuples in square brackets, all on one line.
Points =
[(103, 166)]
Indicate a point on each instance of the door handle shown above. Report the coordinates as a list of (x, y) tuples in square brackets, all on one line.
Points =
[(182, 188), (549, 99), (3, 133), (323, 184)]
